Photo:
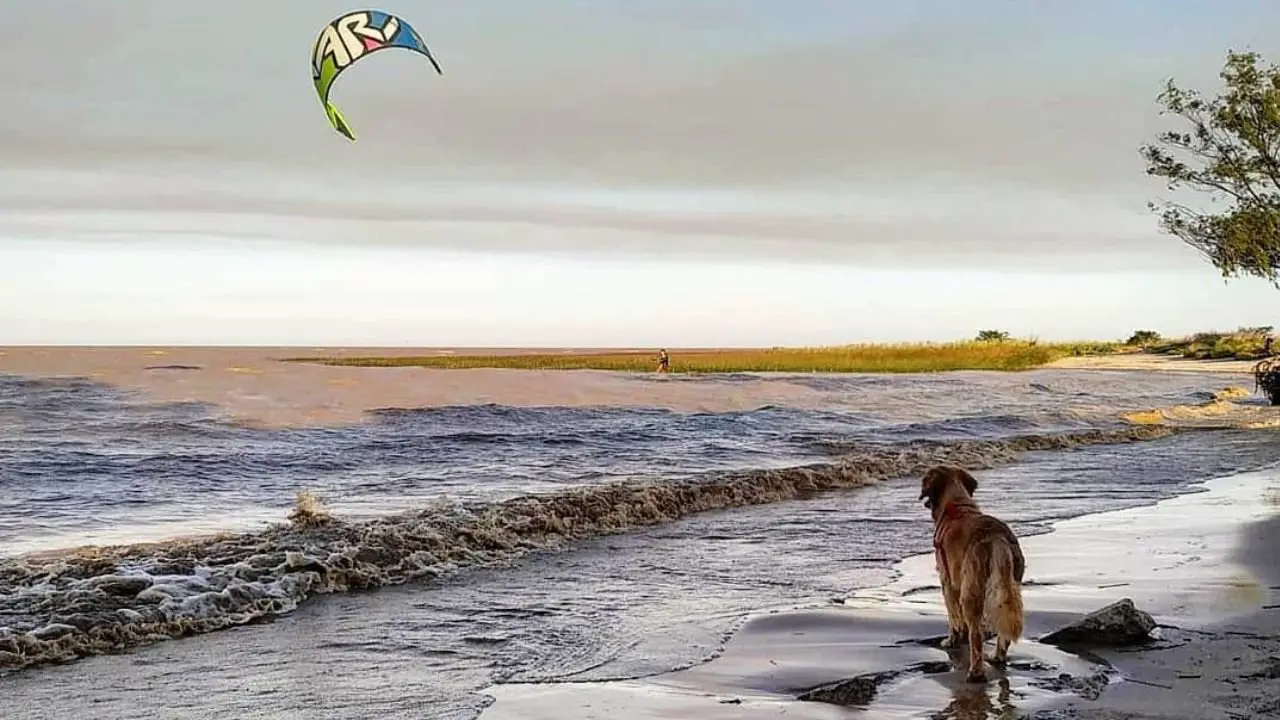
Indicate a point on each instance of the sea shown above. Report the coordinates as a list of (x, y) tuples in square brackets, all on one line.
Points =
[(149, 568)]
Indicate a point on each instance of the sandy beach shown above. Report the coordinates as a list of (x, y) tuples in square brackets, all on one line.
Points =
[(1200, 563), (252, 385), (1154, 363)]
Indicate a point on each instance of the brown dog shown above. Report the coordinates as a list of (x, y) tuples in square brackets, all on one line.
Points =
[(980, 565)]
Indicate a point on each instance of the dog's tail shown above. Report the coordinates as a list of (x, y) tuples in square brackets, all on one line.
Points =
[(1004, 591)]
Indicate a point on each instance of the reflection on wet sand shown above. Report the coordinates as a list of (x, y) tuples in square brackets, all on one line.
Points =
[(889, 634)]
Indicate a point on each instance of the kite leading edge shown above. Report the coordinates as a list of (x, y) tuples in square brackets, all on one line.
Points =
[(350, 37)]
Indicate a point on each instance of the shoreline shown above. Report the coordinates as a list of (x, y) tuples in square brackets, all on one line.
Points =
[(1213, 545)]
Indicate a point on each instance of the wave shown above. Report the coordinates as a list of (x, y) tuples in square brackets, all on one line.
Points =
[(57, 607)]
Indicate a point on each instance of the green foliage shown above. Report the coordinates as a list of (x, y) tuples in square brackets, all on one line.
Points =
[(992, 336), (1230, 151), (1087, 348), (1243, 344), (1143, 338)]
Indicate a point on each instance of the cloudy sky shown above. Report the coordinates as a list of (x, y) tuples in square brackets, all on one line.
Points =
[(601, 172)]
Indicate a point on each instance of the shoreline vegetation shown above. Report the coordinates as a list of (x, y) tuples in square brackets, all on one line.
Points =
[(992, 350)]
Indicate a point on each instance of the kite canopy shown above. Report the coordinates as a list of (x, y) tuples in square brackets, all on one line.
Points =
[(350, 37)]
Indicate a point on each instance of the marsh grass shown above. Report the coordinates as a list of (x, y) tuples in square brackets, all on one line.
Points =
[(1243, 344), (905, 358)]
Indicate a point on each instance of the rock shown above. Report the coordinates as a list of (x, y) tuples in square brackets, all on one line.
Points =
[(1115, 625), (853, 691)]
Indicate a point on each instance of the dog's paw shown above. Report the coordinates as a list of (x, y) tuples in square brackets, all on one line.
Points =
[(955, 639), (976, 676), (998, 661)]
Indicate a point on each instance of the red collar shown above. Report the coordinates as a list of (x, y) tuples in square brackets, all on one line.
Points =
[(950, 512)]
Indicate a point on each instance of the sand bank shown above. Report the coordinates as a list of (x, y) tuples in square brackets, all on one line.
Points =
[(1200, 563), (1153, 363), (252, 386)]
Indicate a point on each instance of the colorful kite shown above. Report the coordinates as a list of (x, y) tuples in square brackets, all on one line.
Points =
[(350, 37)]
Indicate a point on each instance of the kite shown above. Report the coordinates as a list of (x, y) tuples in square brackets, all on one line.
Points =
[(350, 37)]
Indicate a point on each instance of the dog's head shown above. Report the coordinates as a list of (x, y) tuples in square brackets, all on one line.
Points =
[(944, 481)]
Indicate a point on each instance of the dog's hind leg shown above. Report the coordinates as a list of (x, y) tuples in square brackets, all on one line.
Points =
[(973, 598), (1005, 601)]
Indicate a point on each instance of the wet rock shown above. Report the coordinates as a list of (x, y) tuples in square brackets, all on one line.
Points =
[(1116, 625), (853, 691)]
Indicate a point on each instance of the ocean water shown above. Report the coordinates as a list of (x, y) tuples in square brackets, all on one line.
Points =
[(488, 544)]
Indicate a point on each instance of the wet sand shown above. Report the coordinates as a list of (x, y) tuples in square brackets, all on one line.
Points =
[(1202, 564), (253, 387)]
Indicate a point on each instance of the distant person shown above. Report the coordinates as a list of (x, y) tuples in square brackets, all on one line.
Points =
[(664, 361)]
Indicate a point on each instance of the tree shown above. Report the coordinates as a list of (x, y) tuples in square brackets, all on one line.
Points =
[(1231, 152), (1142, 338), (992, 336)]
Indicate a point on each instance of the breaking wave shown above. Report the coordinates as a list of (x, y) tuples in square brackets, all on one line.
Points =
[(60, 606)]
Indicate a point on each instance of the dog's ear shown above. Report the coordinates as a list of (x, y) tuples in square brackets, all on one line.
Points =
[(970, 482)]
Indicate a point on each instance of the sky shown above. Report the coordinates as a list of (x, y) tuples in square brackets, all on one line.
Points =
[(604, 173)]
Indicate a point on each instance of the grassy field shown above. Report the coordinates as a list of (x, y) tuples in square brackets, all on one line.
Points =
[(905, 358), (1243, 344)]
